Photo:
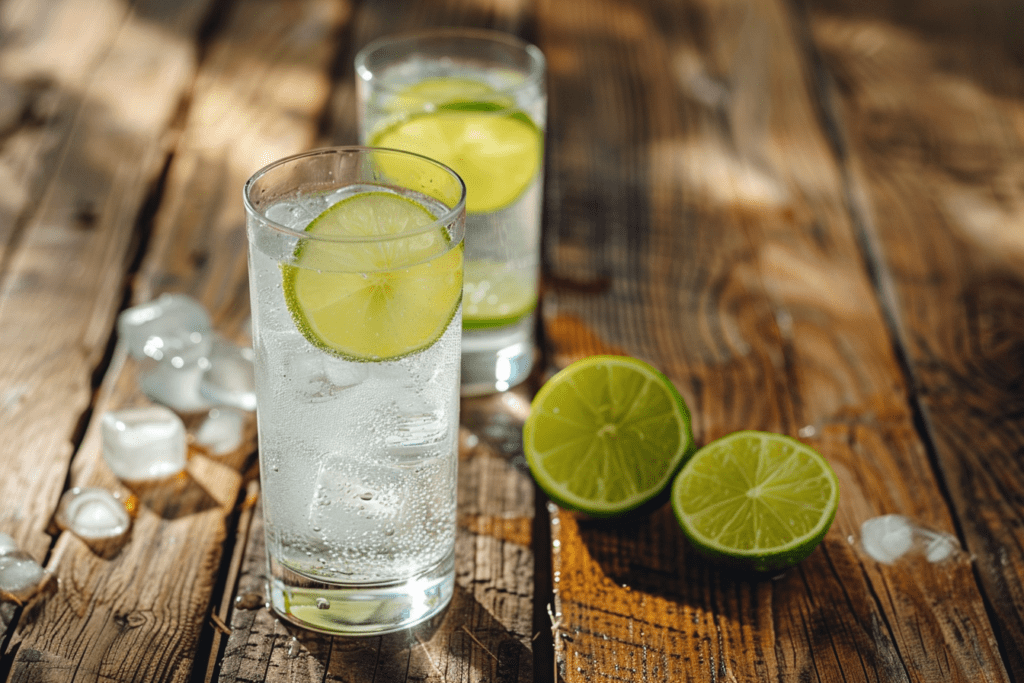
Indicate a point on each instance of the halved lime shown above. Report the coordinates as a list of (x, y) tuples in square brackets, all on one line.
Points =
[(495, 296), (606, 434), (762, 501), (496, 149), (380, 298)]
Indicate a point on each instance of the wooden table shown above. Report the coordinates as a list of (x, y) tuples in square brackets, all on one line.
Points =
[(809, 215)]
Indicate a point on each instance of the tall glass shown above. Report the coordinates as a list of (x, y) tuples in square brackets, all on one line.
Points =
[(355, 274), (474, 100)]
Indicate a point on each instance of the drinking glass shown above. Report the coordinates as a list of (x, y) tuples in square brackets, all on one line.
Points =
[(474, 100), (355, 272)]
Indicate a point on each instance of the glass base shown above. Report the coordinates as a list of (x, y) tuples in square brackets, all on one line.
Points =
[(360, 609), (496, 359)]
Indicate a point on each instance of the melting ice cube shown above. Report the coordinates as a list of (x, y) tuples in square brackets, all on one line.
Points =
[(889, 537), (21, 577), (222, 431), (229, 378), (172, 325), (171, 337), (144, 443), (92, 514)]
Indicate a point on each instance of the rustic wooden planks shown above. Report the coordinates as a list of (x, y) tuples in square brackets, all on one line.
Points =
[(79, 160), (720, 214), (811, 222), (142, 614), (930, 104)]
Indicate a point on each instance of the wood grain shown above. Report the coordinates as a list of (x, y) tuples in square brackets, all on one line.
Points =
[(932, 118), (142, 614), (744, 263), (85, 155)]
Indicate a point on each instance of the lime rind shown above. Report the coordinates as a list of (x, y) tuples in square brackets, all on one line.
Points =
[(768, 498), (610, 473)]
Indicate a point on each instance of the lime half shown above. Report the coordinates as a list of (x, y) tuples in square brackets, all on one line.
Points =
[(496, 149), (389, 292), (606, 434), (495, 296), (762, 501)]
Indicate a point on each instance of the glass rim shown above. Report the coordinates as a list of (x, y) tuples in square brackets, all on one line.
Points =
[(444, 220), (534, 76)]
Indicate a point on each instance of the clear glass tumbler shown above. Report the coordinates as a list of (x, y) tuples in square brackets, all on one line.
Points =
[(474, 100), (355, 275)]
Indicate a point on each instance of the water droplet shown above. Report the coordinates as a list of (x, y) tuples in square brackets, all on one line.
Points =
[(366, 496), (323, 603), (249, 601)]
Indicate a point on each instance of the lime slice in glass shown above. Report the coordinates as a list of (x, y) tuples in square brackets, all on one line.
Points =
[(496, 150), (495, 296), (431, 92), (378, 298), (758, 500), (606, 434)]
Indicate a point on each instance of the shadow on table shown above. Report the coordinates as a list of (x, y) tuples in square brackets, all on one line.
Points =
[(463, 638)]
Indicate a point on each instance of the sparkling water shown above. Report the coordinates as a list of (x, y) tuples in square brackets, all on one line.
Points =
[(502, 246), (357, 458)]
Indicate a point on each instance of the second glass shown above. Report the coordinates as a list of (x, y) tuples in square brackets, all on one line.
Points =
[(474, 100)]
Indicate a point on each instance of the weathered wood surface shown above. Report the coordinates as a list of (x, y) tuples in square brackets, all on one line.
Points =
[(809, 215)]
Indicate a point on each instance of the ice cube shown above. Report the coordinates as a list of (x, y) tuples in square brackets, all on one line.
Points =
[(170, 325), (229, 378), (92, 514), (890, 537), (171, 337), (21, 577), (320, 378), (887, 538), (144, 443), (177, 388), (222, 431), (7, 544)]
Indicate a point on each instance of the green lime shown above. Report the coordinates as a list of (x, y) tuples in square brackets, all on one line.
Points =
[(495, 296), (431, 92), (606, 434), (762, 501), (496, 149), (380, 298)]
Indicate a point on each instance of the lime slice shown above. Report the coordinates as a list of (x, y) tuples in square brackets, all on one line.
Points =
[(606, 434), (431, 92), (377, 299), (762, 501), (495, 296), (496, 150)]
